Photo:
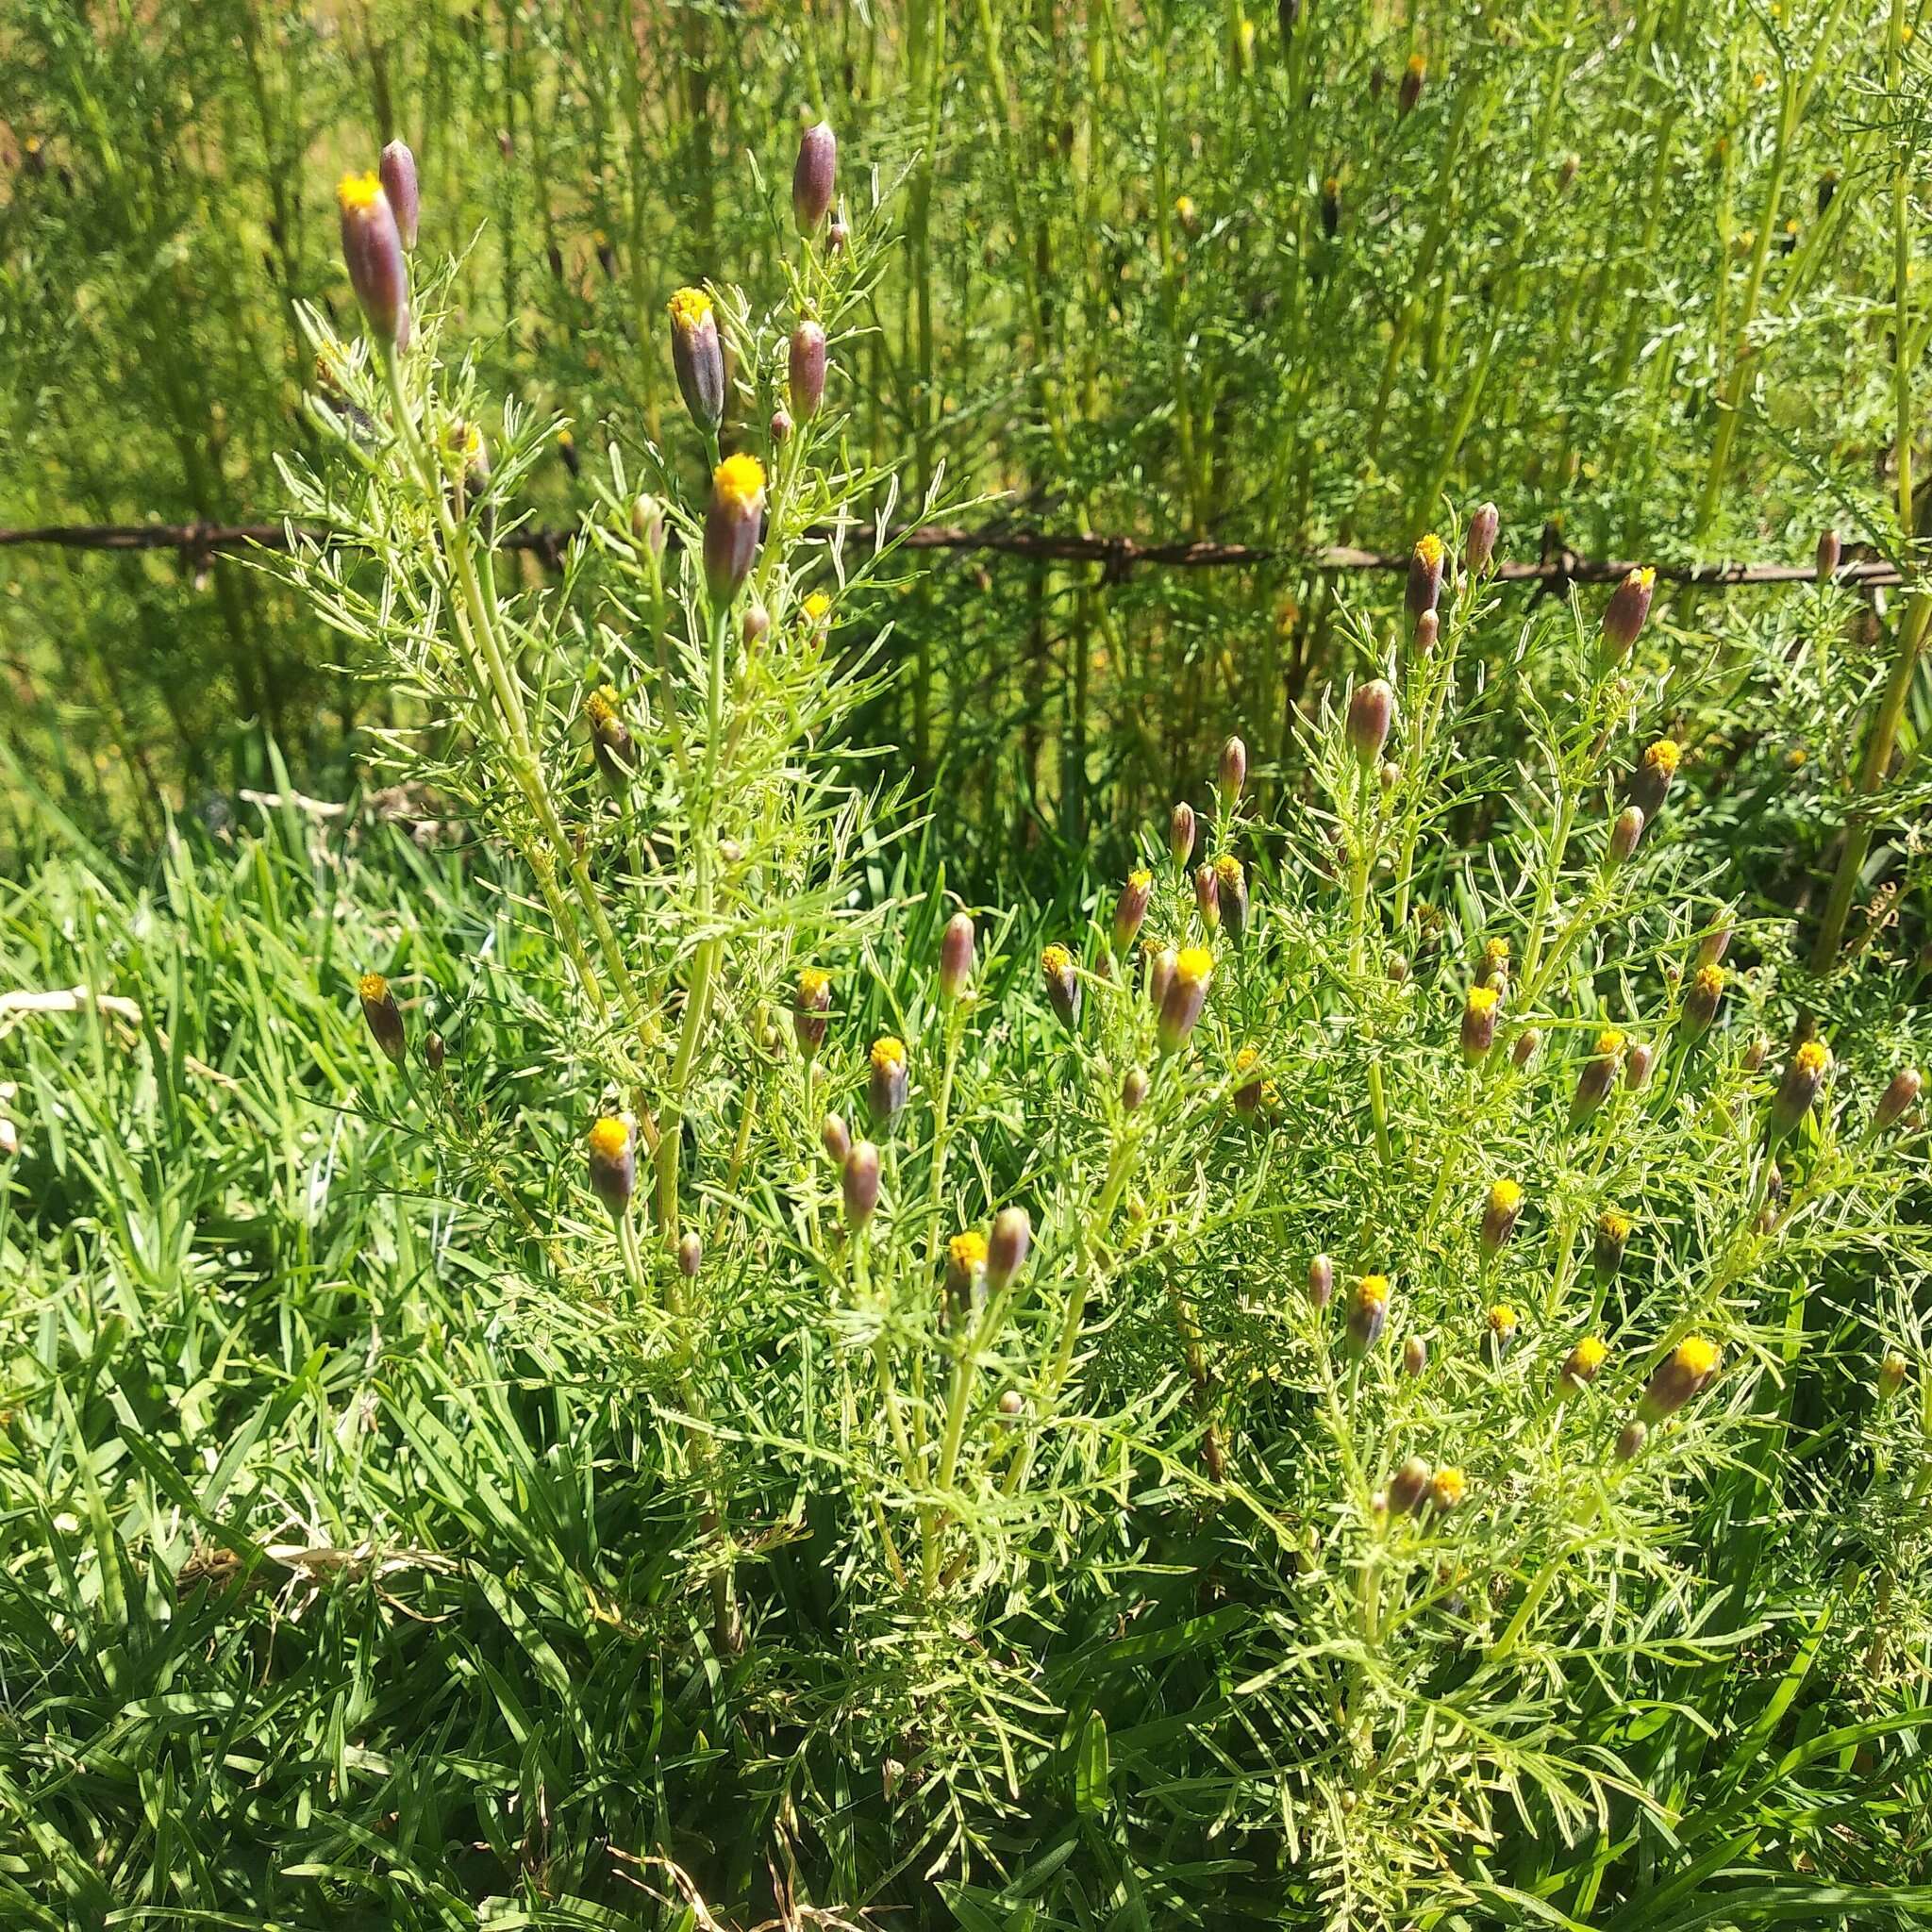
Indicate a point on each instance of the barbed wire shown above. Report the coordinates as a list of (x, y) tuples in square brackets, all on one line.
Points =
[(1557, 565)]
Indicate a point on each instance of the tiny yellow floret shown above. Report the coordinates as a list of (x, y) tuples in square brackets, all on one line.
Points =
[(1482, 999), (739, 482), (888, 1053), (1664, 755), (609, 1138), (1590, 1354), (1196, 965), (1449, 1488), (1695, 1356), (357, 192), (1503, 1319), (1709, 981), (813, 983), (1614, 1224), (1429, 549), (1248, 1058), (1141, 879), (1610, 1043), (1055, 961), (373, 988), (688, 308), (1506, 1197), (601, 705), (1371, 1290), (967, 1252), (817, 608), (1812, 1058), (1227, 869)]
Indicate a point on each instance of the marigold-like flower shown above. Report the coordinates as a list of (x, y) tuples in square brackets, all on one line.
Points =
[(373, 254), (1368, 1311), (1410, 90), (1448, 1489), (965, 1271), (697, 356), (613, 1156), (1684, 1372), (810, 1003), (611, 746), (1598, 1077), (383, 1016), (1581, 1364), (731, 525), (888, 1079), (1062, 983), (1187, 993), (1231, 889), (1500, 1214), (1479, 1021), (1799, 1087), (1503, 1322), (1424, 585), (1130, 908), (1650, 783), (1612, 1232), (1700, 1001), (1625, 613)]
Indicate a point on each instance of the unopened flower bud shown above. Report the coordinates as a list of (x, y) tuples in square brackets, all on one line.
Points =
[(384, 1017), (1638, 1063), (837, 236), (1485, 523), (373, 252), (1581, 1364), (1428, 632), (1630, 1442), (1321, 1282), (1368, 1312), (1525, 1047), (887, 1079), (647, 525), (1612, 1234), (1830, 551), (1625, 613), (1234, 770), (754, 624), (1799, 1087), (815, 176), (1501, 1212), (780, 428), (697, 356), (1398, 968), (805, 370), (1130, 908), (1180, 833), (858, 1183), (1902, 1092), (1684, 1372), (1061, 982), (1180, 1007), (690, 1254), (1208, 896), (1413, 74), (1006, 1252), (1409, 1487), (434, 1052), (835, 1137), (1371, 712), (811, 1002), (955, 957), (398, 168), (1891, 1376), (1480, 1013), (611, 746), (1133, 1089), (1160, 972), (1650, 783), (1755, 1054), (1424, 587), (965, 1287), (1231, 891), (1625, 831), (731, 525), (613, 1153), (1415, 1356), (1331, 207), (1012, 1405), (1598, 1077), (1700, 1001)]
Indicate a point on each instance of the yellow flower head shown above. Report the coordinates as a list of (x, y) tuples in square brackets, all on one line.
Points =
[(1247, 1058), (1495, 952), (1812, 1059), (1614, 1224), (813, 984), (688, 308), (1645, 579), (1506, 1197), (739, 483), (1418, 66), (373, 988), (1372, 1291), (1196, 965), (1482, 1000), (1141, 879), (817, 608), (1056, 960), (1664, 755), (1588, 1356), (609, 1138), (1331, 187), (1449, 1488), (601, 705), (1271, 1094), (1610, 1043), (1695, 1356), (1503, 1319), (1430, 549), (355, 192), (967, 1252), (887, 1053), (1709, 981), (1227, 870), (1184, 207)]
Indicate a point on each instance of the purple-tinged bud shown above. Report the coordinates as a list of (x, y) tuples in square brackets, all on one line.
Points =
[(1650, 783), (1368, 1313), (1415, 1356), (1901, 1093), (955, 957), (1630, 1442), (811, 1002), (613, 1154), (1134, 1090), (1331, 207), (1234, 770), (1321, 1282), (1231, 893), (1160, 972), (1410, 90), (697, 356), (1409, 1488), (815, 176), (1480, 1009), (1528, 1045), (1830, 551), (1130, 908), (1799, 1087), (1638, 1063), (1062, 984), (732, 523), (805, 370), (1479, 548), (1424, 587), (1686, 1371), (780, 428), (837, 236), (398, 168), (1187, 993), (1501, 1212), (887, 1078), (1371, 712), (690, 1254), (1623, 615), (1006, 1252), (1755, 1054), (1700, 1001), (1428, 632), (754, 624), (1180, 833), (1612, 1235), (1208, 896), (1712, 947), (1012, 1405), (647, 525), (1625, 831), (373, 252), (612, 747), (1580, 1365), (1398, 968), (384, 1017), (1598, 1077), (859, 1182), (434, 1052), (835, 1137)]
